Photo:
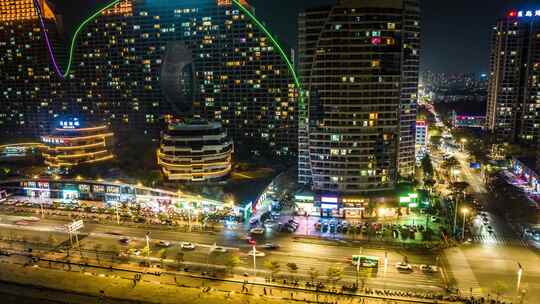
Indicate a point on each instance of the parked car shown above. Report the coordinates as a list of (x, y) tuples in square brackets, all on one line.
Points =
[(401, 266), (429, 268)]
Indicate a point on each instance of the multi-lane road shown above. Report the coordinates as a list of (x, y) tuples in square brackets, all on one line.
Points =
[(303, 252), (490, 262)]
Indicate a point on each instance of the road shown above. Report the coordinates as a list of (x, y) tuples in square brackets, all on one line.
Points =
[(490, 262), (304, 253)]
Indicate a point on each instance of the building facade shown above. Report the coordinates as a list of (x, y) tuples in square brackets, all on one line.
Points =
[(513, 109), (72, 144), (358, 61), (422, 139), (195, 151), (29, 92), (141, 60)]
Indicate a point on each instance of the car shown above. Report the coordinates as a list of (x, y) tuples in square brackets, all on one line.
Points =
[(187, 246), (270, 246), (429, 268), (124, 241), (136, 252), (220, 249), (401, 266), (163, 243), (257, 230), (22, 223), (256, 253)]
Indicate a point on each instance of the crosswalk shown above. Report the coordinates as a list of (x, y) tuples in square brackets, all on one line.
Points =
[(500, 240)]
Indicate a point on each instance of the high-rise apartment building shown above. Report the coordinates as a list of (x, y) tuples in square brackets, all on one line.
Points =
[(141, 60), (513, 110), (29, 93), (358, 62)]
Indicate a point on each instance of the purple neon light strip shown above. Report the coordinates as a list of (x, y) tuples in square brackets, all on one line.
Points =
[(49, 46)]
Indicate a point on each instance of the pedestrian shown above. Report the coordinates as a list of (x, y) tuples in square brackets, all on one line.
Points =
[(264, 291)]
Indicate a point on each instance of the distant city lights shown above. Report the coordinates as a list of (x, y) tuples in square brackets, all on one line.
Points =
[(524, 14)]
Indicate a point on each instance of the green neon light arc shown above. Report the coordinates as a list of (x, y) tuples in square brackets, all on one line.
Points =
[(274, 41), (78, 31), (236, 2)]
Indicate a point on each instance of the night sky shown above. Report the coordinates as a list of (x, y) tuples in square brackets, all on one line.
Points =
[(455, 33)]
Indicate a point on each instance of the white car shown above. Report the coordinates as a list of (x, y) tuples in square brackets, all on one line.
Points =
[(163, 243), (270, 246), (429, 268), (403, 266), (257, 230), (187, 246), (256, 253)]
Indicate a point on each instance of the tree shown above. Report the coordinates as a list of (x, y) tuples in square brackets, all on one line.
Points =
[(97, 248), (163, 256), (179, 258), (450, 163), (313, 274), (427, 166), (429, 183), (459, 187), (293, 268), (51, 240), (435, 141), (334, 273), (273, 266), (232, 262), (115, 251)]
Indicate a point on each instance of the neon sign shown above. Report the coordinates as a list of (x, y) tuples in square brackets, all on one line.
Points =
[(524, 14)]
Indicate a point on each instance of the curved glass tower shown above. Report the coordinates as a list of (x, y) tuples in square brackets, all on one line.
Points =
[(359, 64)]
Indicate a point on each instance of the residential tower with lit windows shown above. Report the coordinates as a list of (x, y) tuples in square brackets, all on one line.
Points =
[(358, 61), (30, 94), (513, 108), (72, 144), (141, 60), (195, 151)]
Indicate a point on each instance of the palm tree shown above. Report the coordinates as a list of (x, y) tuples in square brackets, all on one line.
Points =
[(163, 256), (115, 251), (293, 268), (179, 258), (232, 262), (313, 274), (334, 274), (273, 266)]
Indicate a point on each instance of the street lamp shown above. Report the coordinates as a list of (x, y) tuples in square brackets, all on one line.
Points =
[(463, 142), (147, 236), (455, 216), (358, 265), (464, 211), (254, 263), (519, 274)]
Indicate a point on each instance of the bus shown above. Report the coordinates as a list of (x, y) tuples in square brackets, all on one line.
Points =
[(365, 261)]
